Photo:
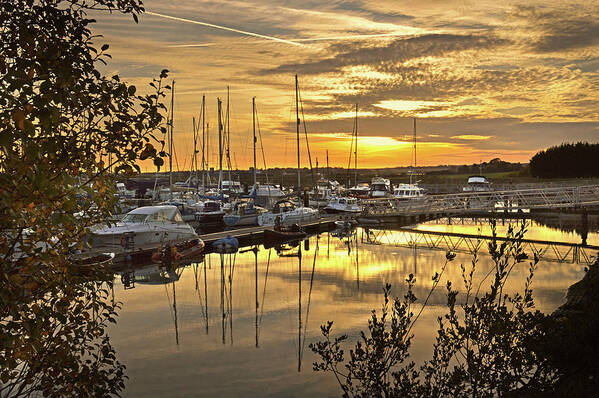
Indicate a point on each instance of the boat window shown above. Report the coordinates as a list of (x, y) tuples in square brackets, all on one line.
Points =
[(211, 206), (135, 217), (160, 215), (177, 217), (342, 201)]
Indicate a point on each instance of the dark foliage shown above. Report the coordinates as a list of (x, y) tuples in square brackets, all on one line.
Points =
[(566, 161), (487, 346), (493, 166), (63, 125)]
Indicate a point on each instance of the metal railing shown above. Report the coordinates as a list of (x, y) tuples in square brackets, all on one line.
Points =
[(562, 252)]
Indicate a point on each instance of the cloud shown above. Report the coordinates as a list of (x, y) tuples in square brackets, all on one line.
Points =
[(474, 137), (568, 28), (396, 51)]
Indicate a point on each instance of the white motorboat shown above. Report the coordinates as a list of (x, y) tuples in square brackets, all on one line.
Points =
[(266, 194), (380, 187), (343, 206), (323, 192), (143, 227), (477, 184), (288, 214), (123, 192), (409, 192)]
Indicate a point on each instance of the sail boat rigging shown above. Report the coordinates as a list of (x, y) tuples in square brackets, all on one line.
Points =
[(410, 191)]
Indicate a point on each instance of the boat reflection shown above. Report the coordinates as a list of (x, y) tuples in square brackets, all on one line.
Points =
[(269, 304)]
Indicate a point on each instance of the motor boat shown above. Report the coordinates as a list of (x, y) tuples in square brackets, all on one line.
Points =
[(143, 227), (323, 192), (187, 210), (408, 192), (343, 206), (477, 184), (232, 187), (123, 192), (288, 214), (266, 194), (380, 187), (212, 213), (362, 190), (244, 213)]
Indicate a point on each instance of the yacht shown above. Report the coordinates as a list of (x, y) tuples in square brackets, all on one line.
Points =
[(323, 192), (380, 187), (477, 184), (232, 187), (244, 213), (142, 227), (343, 206), (266, 194), (409, 192), (123, 192), (211, 213), (362, 190), (288, 214)]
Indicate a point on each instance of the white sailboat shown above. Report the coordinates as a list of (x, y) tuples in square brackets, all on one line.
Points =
[(287, 214), (410, 191)]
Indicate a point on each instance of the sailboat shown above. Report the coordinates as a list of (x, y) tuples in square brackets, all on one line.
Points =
[(300, 214), (410, 191), (246, 213), (348, 205)]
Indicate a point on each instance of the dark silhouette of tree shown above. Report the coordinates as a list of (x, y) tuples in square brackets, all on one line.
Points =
[(63, 126), (566, 161)]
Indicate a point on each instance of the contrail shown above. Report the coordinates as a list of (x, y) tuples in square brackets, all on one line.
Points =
[(225, 28), (351, 37), (313, 39)]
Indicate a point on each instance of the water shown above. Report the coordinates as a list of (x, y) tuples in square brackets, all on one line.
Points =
[(256, 350)]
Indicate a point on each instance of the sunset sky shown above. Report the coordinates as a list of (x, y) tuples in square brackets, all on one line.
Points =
[(484, 78)]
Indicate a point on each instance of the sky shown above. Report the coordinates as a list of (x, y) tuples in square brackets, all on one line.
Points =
[(484, 79)]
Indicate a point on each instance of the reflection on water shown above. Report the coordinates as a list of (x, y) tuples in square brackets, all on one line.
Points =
[(240, 324)]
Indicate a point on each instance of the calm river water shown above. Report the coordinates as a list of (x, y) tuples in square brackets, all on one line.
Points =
[(239, 325)]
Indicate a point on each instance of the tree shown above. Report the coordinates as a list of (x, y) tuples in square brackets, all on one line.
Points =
[(566, 161), (63, 126), (487, 346)]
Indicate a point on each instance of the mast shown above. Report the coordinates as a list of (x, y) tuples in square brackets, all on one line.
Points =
[(220, 147), (297, 125), (414, 150), (356, 151), (254, 130), (328, 171), (194, 162), (170, 141), (203, 144), (228, 139)]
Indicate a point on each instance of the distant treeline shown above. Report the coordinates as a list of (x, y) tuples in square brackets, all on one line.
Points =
[(493, 166), (566, 161)]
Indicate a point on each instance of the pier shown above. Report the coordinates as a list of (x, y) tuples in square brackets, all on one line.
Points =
[(478, 203), (562, 252)]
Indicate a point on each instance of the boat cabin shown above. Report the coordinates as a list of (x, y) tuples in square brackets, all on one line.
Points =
[(477, 184), (153, 214)]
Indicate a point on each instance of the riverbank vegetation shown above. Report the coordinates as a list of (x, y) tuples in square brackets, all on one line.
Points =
[(488, 343)]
